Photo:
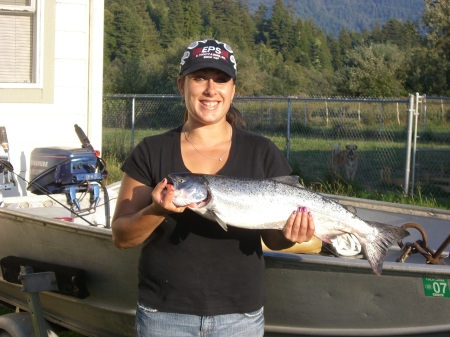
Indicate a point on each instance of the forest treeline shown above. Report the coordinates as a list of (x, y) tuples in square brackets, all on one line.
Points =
[(280, 54), (353, 15)]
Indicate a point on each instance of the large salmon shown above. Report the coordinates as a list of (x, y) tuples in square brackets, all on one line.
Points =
[(268, 203)]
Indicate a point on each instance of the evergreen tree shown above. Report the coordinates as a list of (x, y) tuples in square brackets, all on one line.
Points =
[(172, 25), (129, 30), (316, 45), (127, 33), (377, 35), (336, 56), (411, 34), (247, 27), (157, 10), (392, 32), (280, 28), (306, 38), (261, 24), (192, 19), (325, 53), (109, 38), (345, 41)]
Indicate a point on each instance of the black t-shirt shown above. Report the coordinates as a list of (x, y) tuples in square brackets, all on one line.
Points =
[(189, 264)]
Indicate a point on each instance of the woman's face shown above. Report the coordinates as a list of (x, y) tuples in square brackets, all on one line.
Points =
[(208, 94)]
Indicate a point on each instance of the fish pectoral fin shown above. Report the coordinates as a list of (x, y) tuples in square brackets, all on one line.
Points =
[(323, 238), (328, 237), (288, 180), (219, 220)]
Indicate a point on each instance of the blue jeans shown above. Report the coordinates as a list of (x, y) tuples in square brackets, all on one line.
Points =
[(152, 323)]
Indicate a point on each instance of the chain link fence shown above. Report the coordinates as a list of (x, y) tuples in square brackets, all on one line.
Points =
[(307, 130)]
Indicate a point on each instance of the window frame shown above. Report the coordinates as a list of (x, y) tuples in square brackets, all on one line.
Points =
[(36, 64), (40, 89)]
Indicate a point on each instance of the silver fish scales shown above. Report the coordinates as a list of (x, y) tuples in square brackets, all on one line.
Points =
[(268, 203)]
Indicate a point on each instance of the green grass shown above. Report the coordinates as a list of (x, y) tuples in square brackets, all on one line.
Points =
[(310, 157), (5, 309)]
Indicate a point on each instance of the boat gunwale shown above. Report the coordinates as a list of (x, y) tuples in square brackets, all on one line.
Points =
[(390, 207), (16, 215), (353, 265)]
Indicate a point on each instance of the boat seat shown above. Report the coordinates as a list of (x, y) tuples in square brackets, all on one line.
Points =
[(71, 281)]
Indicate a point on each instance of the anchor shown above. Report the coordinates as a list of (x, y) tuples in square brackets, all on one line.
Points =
[(421, 246)]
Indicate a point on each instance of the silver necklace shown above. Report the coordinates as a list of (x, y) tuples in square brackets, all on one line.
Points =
[(220, 158)]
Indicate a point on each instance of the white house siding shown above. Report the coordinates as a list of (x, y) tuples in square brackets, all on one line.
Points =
[(77, 96)]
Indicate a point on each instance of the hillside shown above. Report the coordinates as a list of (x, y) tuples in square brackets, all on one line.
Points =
[(353, 15)]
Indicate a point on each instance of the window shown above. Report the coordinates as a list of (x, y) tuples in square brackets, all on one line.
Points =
[(18, 45), (27, 51)]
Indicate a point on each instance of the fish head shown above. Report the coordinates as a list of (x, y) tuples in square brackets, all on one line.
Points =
[(189, 189)]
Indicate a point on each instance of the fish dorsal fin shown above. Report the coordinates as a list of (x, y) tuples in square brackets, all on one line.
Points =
[(350, 208), (288, 180), (218, 219)]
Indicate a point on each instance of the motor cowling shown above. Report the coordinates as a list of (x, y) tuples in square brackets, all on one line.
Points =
[(56, 170)]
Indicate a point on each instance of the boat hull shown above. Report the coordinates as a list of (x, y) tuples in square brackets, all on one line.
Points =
[(111, 274), (319, 296), (308, 295)]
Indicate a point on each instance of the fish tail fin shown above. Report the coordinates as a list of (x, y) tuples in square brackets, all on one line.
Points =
[(376, 251)]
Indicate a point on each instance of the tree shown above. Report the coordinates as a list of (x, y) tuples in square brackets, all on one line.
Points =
[(436, 19), (261, 24), (372, 71), (392, 32), (336, 57), (129, 30), (280, 28), (192, 19), (377, 35), (426, 72), (172, 25), (303, 29), (345, 41)]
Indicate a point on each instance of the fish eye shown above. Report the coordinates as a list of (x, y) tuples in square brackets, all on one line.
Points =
[(182, 180)]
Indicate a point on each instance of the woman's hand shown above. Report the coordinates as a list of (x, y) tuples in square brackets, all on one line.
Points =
[(162, 196), (300, 226)]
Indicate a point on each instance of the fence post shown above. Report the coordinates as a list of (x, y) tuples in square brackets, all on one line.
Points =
[(132, 121), (424, 109), (288, 132), (381, 118), (359, 113), (305, 117), (408, 144), (416, 117)]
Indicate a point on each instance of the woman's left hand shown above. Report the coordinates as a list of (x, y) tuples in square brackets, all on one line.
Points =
[(300, 226)]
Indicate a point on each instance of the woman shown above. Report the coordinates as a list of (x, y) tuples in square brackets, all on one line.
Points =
[(195, 279)]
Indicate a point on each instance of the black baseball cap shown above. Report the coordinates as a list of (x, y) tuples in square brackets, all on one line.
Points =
[(208, 54)]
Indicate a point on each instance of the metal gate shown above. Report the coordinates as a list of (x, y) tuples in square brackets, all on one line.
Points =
[(428, 148)]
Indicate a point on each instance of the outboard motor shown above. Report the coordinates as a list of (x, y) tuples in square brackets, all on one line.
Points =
[(6, 176), (58, 170)]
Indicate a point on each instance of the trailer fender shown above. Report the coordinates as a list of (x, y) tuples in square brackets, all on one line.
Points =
[(20, 325)]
